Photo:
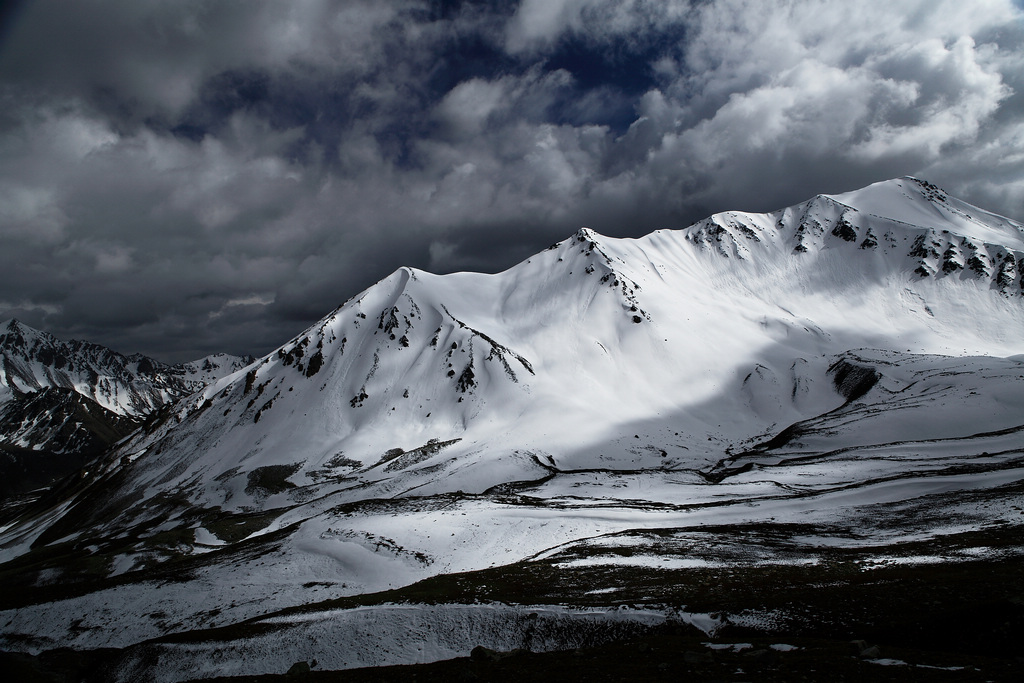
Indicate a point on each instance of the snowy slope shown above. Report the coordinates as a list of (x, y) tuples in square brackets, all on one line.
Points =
[(818, 365)]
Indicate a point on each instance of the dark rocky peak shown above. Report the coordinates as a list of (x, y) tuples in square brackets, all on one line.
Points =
[(932, 193), (726, 233)]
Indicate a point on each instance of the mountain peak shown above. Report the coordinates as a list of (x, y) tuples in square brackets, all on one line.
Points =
[(15, 325), (16, 333), (916, 202)]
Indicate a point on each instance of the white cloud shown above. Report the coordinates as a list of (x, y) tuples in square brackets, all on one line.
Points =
[(255, 299), (763, 88), (27, 305), (467, 106), (158, 54), (955, 95)]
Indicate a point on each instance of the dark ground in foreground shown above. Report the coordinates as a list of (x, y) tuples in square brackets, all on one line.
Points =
[(961, 621), (667, 656)]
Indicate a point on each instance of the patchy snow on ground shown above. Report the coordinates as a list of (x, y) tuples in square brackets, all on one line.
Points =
[(393, 634)]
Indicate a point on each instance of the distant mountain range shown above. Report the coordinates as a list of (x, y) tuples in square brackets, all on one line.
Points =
[(63, 402), (808, 369)]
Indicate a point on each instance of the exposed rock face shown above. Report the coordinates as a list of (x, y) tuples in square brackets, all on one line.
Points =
[(853, 381), (51, 432), (61, 420)]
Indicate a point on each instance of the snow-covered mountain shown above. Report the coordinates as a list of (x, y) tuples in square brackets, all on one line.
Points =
[(598, 353), (198, 373), (806, 364)]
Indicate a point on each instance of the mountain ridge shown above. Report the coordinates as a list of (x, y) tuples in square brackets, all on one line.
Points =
[(420, 357)]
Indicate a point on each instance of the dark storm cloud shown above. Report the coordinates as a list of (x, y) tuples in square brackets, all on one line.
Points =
[(180, 178)]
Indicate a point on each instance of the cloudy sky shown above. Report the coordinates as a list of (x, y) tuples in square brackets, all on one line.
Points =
[(179, 177)]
